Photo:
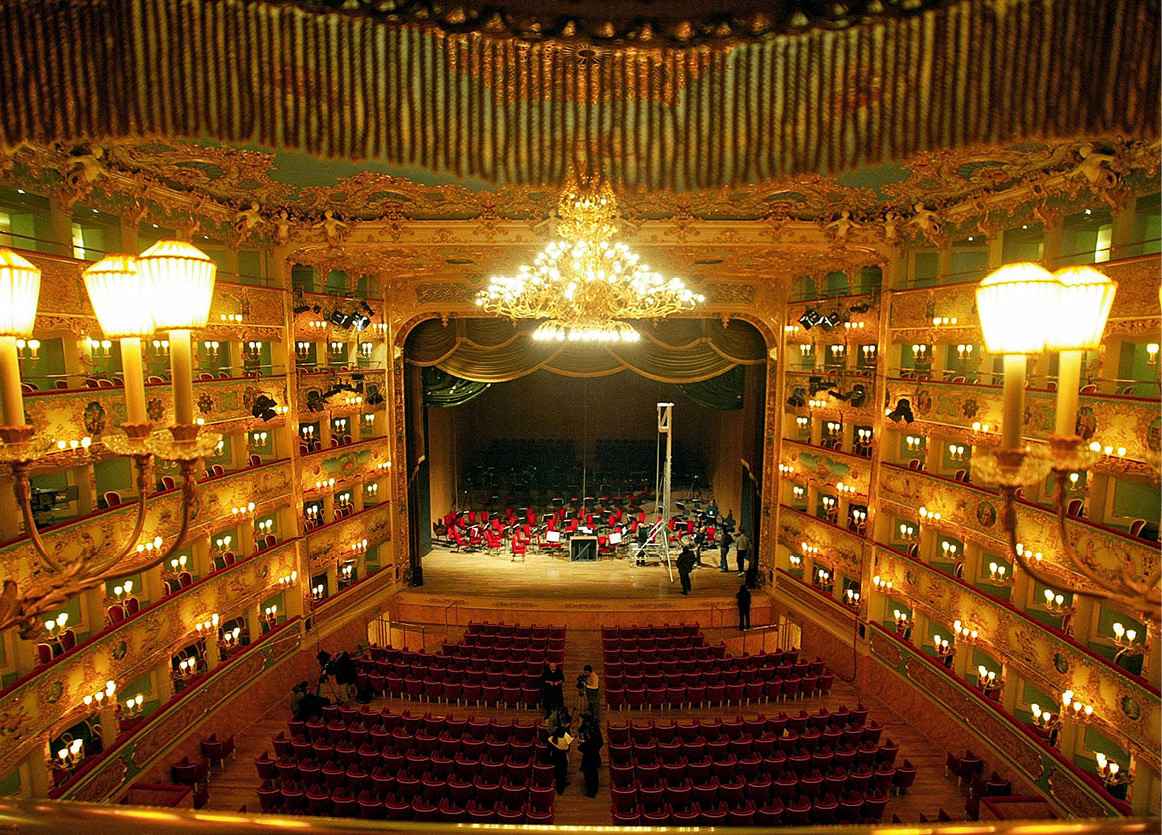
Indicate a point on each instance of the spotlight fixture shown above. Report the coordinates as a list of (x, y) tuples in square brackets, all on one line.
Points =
[(360, 321), (340, 319), (903, 411), (857, 396), (264, 408), (832, 320), (810, 318), (797, 400)]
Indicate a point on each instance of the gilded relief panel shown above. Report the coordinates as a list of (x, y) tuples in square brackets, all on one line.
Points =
[(331, 543), (824, 468), (841, 550)]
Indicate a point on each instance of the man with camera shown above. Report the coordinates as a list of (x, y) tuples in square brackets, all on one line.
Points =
[(588, 690)]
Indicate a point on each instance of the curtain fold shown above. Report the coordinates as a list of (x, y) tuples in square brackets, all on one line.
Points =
[(683, 351), (444, 390), (724, 392)]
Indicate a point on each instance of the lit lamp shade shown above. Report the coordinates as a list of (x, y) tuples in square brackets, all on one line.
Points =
[(1084, 299), (19, 291), (1013, 303), (181, 281), (121, 297)]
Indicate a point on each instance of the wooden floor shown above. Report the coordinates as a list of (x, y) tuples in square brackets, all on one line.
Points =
[(555, 577), (235, 786)]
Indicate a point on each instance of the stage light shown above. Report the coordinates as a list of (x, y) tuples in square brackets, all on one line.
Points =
[(832, 320), (340, 319), (301, 308), (857, 395), (360, 321), (809, 319), (903, 411), (797, 400), (264, 408)]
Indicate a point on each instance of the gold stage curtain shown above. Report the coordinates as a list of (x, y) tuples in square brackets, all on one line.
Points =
[(674, 351)]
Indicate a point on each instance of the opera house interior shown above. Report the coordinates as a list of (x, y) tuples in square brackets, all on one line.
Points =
[(419, 414)]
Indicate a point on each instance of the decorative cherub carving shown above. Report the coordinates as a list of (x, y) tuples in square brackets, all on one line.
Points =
[(926, 221), (334, 229), (86, 168), (1094, 166), (841, 227), (891, 227), (8, 152), (282, 227), (246, 221)]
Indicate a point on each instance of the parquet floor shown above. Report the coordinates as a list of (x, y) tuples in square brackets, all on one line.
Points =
[(235, 786)]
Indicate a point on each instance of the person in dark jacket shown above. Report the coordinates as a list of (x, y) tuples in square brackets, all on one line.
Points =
[(590, 748), (685, 566), (559, 742), (724, 549), (552, 687), (743, 597)]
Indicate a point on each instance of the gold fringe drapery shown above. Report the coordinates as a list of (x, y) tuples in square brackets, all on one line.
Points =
[(674, 351), (503, 110)]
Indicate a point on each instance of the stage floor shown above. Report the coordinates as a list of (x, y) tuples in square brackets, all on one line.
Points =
[(480, 574)]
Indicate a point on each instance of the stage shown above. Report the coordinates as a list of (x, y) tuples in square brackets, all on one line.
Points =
[(549, 589)]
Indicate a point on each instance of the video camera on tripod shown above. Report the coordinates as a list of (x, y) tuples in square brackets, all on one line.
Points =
[(341, 668)]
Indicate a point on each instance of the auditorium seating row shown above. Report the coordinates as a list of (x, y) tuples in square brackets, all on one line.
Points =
[(365, 724), (701, 693), (728, 670), (399, 747), (769, 776), (825, 810), (512, 630), (409, 658), (478, 669), (449, 690), (655, 631), (368, 804), (682, 646), (461, 651), (841, 721)]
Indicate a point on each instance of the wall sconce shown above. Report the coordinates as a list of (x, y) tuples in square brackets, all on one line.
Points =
[(58, 623), (386, 465), (369, 420), (308, 432), (868, 351), (1073, 479), (264, 527), (855, 326), (353, 400), (863, 436), (186, 668), (1073, 707), (805, 349), (1041, 718), (252, 349), (28, 349), (177, 564), (830, 505), (833, 427), (1055, 602), (822, 577), (808, 549), (845, 489), (287, 580), (798, 492), (132, 707), (343, 499), (956, 452), (159, 348), (851, 598), (838, 351), (312, 513), (102, 697), (859, 517), (222, 543), (345, 572), (988, 681), (943, 320), (786, 469), (243, 510), (271, 614), (881, 585), (964, 352), (302, 349), (1111, 773), (1023, 551), (317, 324), (210, 348), (230, 637), (920, 353), (372, 489), (803, 422), (365, 349), (207, 625), (1123, 637), (98, 348), (70, 755), (949, 549), (337, 349), (977, 426), (816, 403), (123, 590), (913, 442), (997, 572), (231, 318), (359, 548), (325, 485), (258, 438), (340, 425), (964, 633), (317, 592), (907, 532), (944, 649), (1108, 450), (927, 515)]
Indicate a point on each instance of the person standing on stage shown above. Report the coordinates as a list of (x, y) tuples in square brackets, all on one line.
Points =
[(685, 566), (592, 691), (712, 510), (728, 521), (743, 597), (590, 748), (741, 549), (559, 742), (724, 549), (552, 687), (699, 541)]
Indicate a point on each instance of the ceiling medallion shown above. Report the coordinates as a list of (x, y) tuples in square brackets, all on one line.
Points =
[(584, 285)]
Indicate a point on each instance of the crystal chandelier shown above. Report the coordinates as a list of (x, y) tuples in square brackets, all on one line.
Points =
[(584, 285)]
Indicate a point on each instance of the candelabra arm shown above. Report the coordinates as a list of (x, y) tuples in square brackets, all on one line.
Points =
[(141, 470), (22, 487)]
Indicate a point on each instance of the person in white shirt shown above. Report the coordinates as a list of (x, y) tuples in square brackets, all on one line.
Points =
[(559, 742)]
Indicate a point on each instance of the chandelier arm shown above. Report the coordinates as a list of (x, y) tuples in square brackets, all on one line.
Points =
[(141, 467), (25, 609), (189, 495), (22, 487)]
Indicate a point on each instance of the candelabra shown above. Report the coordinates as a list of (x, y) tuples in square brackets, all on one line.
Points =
[(963, 632), (318, 592), (69, 755), (123, 590), (230, 318), (1055, 602), (346, 574), (58, 623), (287, 580), (168, 288), (187, 668), (352, 400), (204, 627), (846, 489), (177, 564), (210, 348), (1124, 638), (851, 597), (1042, 718), (998, 572), (907, 532), (830, 507), (956, 452), (1074, 707), (261, 529), (98, 699), (927, 515), (786, 469), (231, 637), (325, 484), (242, 510), (386, 465), (989, 682), (270, 615), (359, 548), (943, 320), (222, 544), (131, 709), (823, 578), (807, 548), (1076, 302), (914, 442), (803, 422), (854, 326), (945, 650), (859, 518), (881, 585), (313, 514), (902, 620), (1111, 773), (817, 403), (964, 352)]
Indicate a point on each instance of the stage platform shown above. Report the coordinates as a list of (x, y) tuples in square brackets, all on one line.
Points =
[(548, 589)]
